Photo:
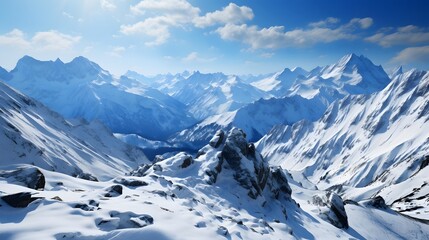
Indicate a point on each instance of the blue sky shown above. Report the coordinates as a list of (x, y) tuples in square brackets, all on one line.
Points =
[(246, 36)]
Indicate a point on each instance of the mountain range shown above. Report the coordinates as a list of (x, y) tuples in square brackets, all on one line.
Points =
[(335, 152)]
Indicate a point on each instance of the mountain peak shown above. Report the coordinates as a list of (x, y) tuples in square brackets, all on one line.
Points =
[(352, 59)]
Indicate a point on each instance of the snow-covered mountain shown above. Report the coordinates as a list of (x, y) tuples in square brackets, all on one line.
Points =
[(215, 93), (280, 83), (82, 89), (166, 83), (256, 119), (227, 191), (306, 95), (32, 134), (370, 144), (352, 74)]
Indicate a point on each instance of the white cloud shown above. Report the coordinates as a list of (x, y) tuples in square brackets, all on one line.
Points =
[(41, 41), (117, 51), (277, 37), (324, 23), (157, 28), (181, 7), (401, 36), (194, 56), (107, 5), (229, 14), (14, 38), (170, 13), (43, 45), (161, 16), (267, 55), (53, 40), (363, 23), (412, 55), (68, 15), (191, 56)]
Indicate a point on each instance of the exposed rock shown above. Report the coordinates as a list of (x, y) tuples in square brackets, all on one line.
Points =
[(332, 208), (125, 220), (217, 139), (57, 198), (377, 202), (131, 182), (187, 162), (19, 200), (278, 183), (222, 231), (87, 176), (424, 163), (30, 177), (114, 191), (251, 175), (141, 170)]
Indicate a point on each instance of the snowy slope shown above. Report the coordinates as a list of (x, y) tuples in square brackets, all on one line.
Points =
[(280, 83), (81, 89), (255, 119), (377, 141), (32, 134), (227, 192), (215, 93)]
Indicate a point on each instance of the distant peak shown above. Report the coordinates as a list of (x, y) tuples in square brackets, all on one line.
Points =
[(84, 62), (27, 59), (80, 59), (58, 60)]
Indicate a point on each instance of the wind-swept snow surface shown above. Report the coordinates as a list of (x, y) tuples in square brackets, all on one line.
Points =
[(227, 192)]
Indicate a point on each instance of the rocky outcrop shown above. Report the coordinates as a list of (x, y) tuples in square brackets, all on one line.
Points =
[(30, 177), (217, 139), (248, 167), (331, 208), (377, 202)]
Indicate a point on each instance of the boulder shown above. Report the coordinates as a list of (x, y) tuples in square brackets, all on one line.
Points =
[(131, 182), (113, 191), (30, 177), (187, 162), (377, 202), (331, 208), (19, 200)]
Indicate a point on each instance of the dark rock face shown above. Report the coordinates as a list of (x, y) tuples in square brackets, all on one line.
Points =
[(378, 202), (19, 200), (235, 152), (187, 162), (332, 209), (114, 191), (30, 177), (87, 176), (131, 182), (217, 139), (91, 206), (278, 183), (248, 167), (141, 170)]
